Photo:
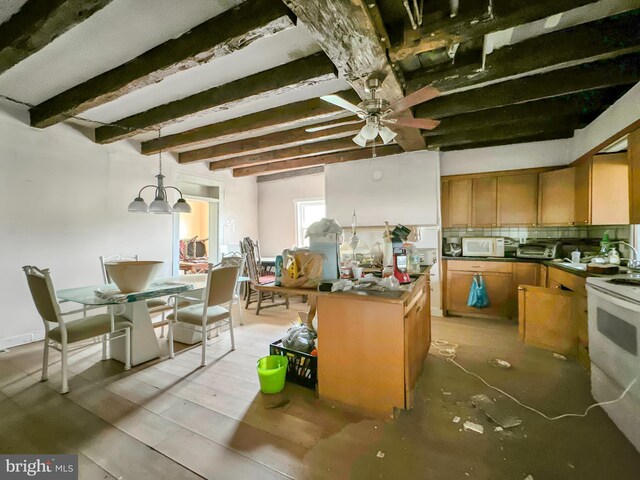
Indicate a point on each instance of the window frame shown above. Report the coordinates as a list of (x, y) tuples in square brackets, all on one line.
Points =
[(298, 205)]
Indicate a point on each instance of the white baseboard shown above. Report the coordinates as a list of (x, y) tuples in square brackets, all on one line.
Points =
[(437, 312), (21, 339)]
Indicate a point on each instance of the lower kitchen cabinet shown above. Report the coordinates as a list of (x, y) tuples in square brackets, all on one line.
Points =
[(545, 319), (555, 318), (501, 280)]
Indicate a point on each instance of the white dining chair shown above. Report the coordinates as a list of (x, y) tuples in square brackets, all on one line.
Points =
[(213, 307), (235, 259), (59, 332), (154, 305)]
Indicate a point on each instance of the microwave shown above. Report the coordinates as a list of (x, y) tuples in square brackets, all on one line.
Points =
[(483, 247)]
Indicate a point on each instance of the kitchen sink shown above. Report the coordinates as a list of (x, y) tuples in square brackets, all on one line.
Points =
[(575, 266)]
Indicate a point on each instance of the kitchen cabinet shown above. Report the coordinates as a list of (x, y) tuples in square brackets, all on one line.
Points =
[(497, 278), (602, 190), (484, 198), (633, 154), (545, 319), (555, 318), (518, 200), (542, 275), (417, 340), (556, 196), (460, 203), (444, 205)]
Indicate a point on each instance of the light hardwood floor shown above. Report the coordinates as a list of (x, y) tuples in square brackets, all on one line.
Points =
[(169, 419)]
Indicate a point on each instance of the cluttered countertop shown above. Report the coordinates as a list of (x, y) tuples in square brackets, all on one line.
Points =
[(589, 258)]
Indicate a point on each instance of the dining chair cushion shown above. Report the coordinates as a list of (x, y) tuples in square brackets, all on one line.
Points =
[(155, 303), (89, 327), (267, 279), (193, 314)]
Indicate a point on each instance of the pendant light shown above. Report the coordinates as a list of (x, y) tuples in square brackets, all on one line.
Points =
[(160, 204), (371, 130)]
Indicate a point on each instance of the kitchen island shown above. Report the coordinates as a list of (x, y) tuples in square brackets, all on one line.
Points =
[(371, 347)]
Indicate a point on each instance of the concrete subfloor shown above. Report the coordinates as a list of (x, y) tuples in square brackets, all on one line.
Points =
[(169, 419)]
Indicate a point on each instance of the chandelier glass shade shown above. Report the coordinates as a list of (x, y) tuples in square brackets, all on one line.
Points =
[(160, 204)]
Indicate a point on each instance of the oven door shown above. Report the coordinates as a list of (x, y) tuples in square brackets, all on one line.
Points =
[(614, 336)]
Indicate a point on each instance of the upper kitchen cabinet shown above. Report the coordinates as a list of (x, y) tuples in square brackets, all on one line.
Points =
[(633, 154), (444, 204), (518, 200), (484, 198), (556, 197), (602, 190), (460, 203)]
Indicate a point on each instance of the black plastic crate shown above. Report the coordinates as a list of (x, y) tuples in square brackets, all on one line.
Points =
[(302, 368)]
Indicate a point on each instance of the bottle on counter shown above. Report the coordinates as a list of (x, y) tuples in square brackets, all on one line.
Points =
[(614, 257), (279, 262), (604, 244)]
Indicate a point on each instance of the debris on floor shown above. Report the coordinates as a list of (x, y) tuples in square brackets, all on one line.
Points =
[(529, 477), (380, 454), (499, 363), (558, 356), (475, 427), (498, 429), (456, 419), (496, 412)]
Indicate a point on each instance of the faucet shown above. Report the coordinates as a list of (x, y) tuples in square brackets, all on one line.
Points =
[(635, 263)]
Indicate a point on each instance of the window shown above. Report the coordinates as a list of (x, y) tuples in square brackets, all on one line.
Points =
[(307, 212)]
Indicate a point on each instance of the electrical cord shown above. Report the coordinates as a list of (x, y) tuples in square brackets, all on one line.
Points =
[(448, 351)]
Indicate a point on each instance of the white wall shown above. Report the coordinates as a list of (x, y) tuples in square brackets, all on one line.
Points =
[(276, 210), (507, 157), (615, 118), (65, 203), (406, 193)]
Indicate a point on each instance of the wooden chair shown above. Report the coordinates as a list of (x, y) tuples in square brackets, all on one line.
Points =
[(212, 308), (59, 333), (255, 278), (155, 305)]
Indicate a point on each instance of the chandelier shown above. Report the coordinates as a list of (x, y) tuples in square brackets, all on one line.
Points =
[(160, 204)]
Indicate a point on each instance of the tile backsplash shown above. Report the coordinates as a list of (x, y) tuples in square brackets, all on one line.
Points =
[(618, 232)]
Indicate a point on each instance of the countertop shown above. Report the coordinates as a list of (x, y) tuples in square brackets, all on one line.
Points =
[(549, 263)]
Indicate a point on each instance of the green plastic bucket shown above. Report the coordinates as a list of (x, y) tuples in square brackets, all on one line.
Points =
[(272, 372)]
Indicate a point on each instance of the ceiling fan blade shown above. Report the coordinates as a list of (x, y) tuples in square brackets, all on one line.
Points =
[(423, 123), (341, 102), (419, 96), (332, 125)]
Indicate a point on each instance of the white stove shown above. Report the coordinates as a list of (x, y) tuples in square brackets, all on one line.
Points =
[(614, 348)]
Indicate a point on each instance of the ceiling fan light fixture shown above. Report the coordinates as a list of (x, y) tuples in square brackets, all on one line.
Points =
[(369, 131), (387, 134), (360, 140)]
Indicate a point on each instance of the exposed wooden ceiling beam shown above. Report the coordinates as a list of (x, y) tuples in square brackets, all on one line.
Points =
[(217, 37), (255, 124), (38, 23), (622, 71), (329, 146), (590, 42), (540, 137), (562, 126), (360, 154), (270, 83), (474, 23), (274, 141), (347, 33), (585, 107)]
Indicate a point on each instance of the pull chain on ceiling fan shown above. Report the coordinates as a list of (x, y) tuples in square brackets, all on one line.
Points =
[(377, 113)]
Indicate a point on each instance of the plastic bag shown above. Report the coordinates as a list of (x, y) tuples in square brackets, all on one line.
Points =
[(309, 271), (300, 338), (478, 296)]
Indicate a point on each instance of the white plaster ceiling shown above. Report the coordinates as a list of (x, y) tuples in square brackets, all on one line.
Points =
[(571, 18), (126, 28)]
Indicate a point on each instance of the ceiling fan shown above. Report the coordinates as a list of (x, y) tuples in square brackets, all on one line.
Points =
[(377, 113)]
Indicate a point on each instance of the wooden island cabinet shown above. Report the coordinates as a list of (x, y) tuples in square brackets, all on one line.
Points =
[(371, 348)]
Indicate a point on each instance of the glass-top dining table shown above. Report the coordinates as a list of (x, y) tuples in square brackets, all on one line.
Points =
[(144, 343)]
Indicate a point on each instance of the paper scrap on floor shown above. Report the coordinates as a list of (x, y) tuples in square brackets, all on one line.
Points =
[(498, 412)]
